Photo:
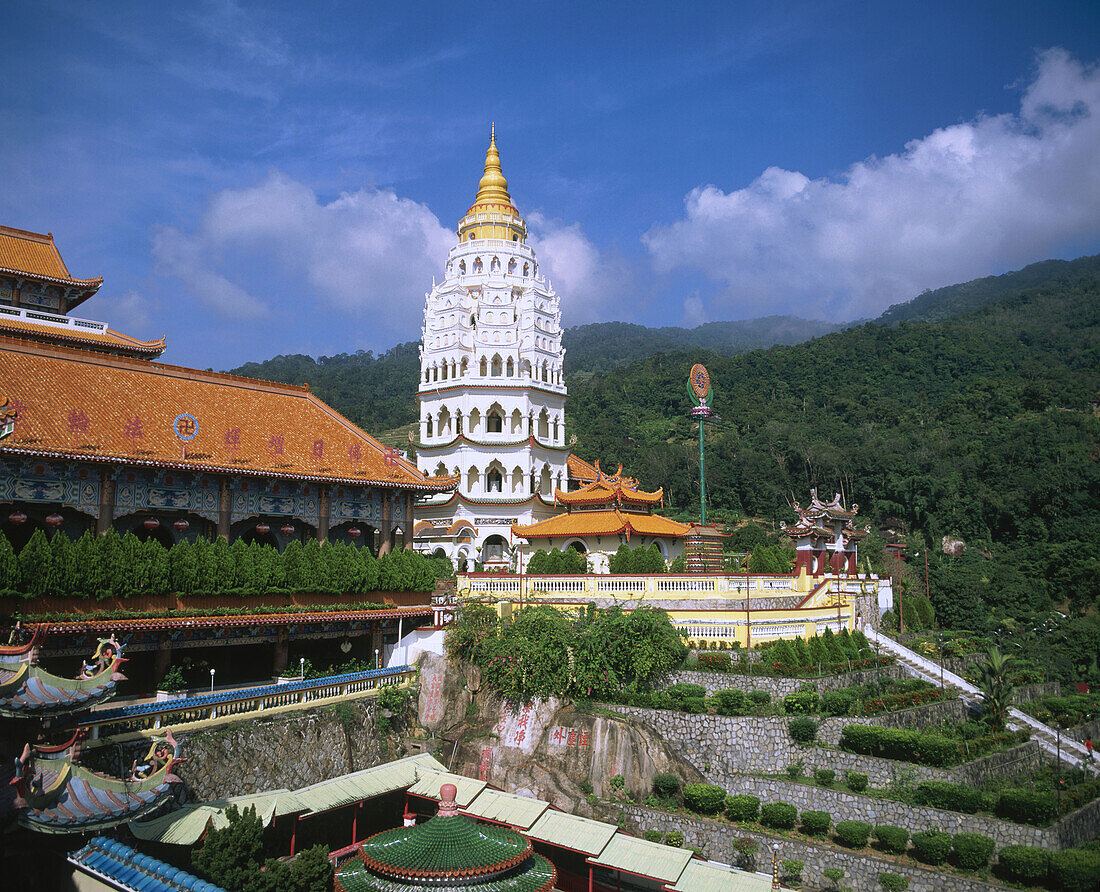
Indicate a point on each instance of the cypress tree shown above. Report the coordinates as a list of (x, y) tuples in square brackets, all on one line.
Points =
[(36, 566), (9, 566), (292, 566), (620, 560), (63, 561)]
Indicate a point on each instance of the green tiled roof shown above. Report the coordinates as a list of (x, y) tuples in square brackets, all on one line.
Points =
[(430, 782), (700, 876), (445, 845), (573, 832), (536, 875), (644, 858), (507, 808)]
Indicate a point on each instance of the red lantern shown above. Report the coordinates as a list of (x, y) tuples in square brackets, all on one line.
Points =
[(182, 525), (354, 532), (263, 529), (55, 520), (150, 523), (16, 518), (287, 529)]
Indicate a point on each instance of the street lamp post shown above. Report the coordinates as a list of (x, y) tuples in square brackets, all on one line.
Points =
[(377, 665), (302, 668), (211, 681)]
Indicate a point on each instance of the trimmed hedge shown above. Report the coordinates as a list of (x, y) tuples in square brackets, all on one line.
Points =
[(800, 703), (971, 851), (857, 781), (730, 702), (932, 846), (825, 777), (853, 834), (695, 705), (892, 840), (674, 838), (742, 807), (803, 729), (653, 835), (681, 692), (815, 823), (899, 743), (953, 797), (1075, 870), (1027, 807), (893, 882), (837, 703), (779, 815), (760, 698), (1025, 864), (706, 799)]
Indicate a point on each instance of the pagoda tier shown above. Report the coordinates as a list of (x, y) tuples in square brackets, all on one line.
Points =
[(32, 273), (609, 490), (824, 537), (28, 691), (447, 851)]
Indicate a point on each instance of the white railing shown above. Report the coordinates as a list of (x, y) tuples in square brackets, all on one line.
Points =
[(508, 584), (688, 585), (621, 584), (53, 318), (1063, 747)]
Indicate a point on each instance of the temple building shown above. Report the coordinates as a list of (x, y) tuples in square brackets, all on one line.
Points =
[(608, 510), (492, 396), (97, 436), (823, 537), (37, 296)]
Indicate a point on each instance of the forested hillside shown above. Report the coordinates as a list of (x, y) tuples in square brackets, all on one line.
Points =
[(606, 345), (982, 426)]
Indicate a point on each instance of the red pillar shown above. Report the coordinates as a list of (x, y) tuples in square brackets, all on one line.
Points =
[(294, 833), (590, 887)]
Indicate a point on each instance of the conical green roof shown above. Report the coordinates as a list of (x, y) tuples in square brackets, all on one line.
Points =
[(445, 846)]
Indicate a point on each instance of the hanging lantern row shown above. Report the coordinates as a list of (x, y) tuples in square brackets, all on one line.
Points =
[(16, 518), (287, 529), (55, 520), (181, 525), (150, 523), (263, 529), (354, 532)]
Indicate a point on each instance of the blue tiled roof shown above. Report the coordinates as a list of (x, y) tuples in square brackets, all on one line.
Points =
[(123, 712), (39, 693), (129, 869)]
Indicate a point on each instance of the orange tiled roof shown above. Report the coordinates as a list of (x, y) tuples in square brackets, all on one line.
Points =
[(602, 523), (604, 491), (36, 255), (581, 470), (23, 328), (78, 403)]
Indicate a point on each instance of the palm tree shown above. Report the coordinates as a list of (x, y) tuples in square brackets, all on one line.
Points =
[(997, 690)]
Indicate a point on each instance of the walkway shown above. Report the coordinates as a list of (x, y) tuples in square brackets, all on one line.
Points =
[(1066, 748)]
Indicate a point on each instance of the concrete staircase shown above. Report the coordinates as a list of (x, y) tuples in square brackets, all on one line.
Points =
[(1069, 750)]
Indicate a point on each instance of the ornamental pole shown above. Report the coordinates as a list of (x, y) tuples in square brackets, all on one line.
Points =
[(699, 390), (702, 477)]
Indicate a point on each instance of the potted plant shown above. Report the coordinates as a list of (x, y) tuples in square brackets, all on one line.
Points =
[(173, 686)]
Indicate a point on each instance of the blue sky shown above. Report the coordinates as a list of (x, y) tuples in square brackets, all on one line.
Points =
[(253, 179)]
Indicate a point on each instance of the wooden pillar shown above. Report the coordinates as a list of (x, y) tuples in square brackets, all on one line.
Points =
[(407, 523), (282, 647), (106, 502), (590, 886), (294, 833), (163, 657), (225, 505), (387, 525), (324, 513)]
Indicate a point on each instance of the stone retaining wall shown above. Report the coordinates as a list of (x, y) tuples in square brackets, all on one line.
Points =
[(914, 818), (1089, 729), (862, 869), (779, 686)]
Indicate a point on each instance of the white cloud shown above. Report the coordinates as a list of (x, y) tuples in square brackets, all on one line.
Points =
[(367, 253), (967, 200), (592, 284), (130, 311)]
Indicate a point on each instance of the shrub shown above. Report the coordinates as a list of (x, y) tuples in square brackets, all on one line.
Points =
[(778, 815), (800, 703), (954, 797), (893, 882), (898, 743), (759, 699), (661, 700), (815, 823), (793, 868), (715, 662), (674, 838), (618, 782), (1027, 807), (932, 846), (824, 777), (706, 799), (853, 834), (834, 875), (803, 729), (892, 840), (857, 781), (586, 787), (795, 770), (681, 692), (837, 703), (653, 835), (742, 807), (971, 851), (695, 705), (1025, 864), (1075, 870), (730, 702), (666, 785)]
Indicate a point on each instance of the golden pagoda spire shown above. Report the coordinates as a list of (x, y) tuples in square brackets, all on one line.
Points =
[(492, 215)]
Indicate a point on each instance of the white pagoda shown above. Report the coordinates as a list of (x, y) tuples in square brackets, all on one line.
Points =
[(492, 396)]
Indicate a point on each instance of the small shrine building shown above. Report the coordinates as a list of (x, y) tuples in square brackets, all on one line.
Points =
[(824, 538), (606, 511)]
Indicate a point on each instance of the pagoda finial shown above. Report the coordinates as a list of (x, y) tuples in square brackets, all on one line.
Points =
[(493, 188), (448, 806)]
